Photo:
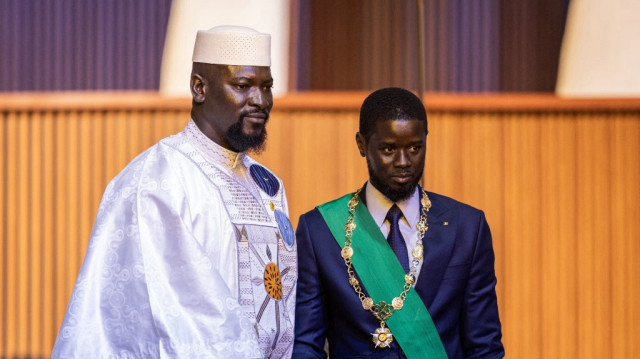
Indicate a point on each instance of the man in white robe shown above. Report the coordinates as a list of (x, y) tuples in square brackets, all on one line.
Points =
[(192, 254)]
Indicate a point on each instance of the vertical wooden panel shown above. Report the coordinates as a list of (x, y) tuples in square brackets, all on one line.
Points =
[(61, 215), (98, 178), (34, 256), (629, 148), (523, 267), (86, 213), (558, 237), (522, 164), (49, 321), (594, 250), (12, 236), (134, 145), (315, 136), (22, 248), (619, 290), (352, 168), (4, 155), (442, 172), (110, 141), (625, 168), (73, 250), (482, 166), (121, 145)]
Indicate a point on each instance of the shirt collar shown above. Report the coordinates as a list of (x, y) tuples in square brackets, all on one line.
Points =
[(212, 150), (378, 205)]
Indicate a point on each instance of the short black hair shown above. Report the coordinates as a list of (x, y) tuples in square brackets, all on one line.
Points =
[(391, 103)]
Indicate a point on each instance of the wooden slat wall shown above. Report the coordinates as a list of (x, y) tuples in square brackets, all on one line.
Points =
[(558, 180)]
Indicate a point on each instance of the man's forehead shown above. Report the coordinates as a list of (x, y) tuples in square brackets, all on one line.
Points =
[(402, 121), (399, 127), (251, 72)]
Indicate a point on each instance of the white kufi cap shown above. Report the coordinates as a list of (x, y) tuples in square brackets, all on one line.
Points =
[(232, 45)]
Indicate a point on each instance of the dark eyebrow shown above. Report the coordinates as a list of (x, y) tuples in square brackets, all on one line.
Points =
[(250, 79)]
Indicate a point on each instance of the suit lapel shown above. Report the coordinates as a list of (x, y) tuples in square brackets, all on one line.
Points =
[(438, 244)]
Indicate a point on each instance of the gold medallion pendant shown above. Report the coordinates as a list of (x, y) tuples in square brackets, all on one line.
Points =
[(273, 281), (382, 337)]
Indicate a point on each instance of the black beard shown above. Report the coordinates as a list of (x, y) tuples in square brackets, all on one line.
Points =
[(394, 195), (240, 142)]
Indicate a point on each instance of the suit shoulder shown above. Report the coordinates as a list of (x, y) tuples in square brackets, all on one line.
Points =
[(311, 216), (315, 212), (448, 202)]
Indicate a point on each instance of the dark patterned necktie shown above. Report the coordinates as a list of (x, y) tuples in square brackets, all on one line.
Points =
[(395, 239)]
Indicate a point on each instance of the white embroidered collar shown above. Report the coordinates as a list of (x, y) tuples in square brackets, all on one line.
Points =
[(212, 150)]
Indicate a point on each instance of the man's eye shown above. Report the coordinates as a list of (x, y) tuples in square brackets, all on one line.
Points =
[(242, 86), (415, 148), (268, 87), (387, 149)]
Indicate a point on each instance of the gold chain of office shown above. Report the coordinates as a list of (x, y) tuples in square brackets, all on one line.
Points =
[(382, 337)]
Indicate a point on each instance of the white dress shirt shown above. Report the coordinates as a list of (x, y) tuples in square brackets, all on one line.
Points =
[(378, 205)]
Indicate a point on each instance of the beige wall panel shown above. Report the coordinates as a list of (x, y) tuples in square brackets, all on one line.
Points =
[(557, 179)]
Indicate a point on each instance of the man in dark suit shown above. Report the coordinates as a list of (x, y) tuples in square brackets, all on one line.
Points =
[(392, 271)]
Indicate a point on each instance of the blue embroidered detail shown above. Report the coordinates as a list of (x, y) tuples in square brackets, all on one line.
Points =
[(265, 179), (285, 228)]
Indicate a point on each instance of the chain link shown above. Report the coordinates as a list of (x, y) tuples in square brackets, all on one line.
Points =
[(382, 310)]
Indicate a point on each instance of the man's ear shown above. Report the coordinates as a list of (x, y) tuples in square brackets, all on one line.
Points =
[(197, 88), (360, 141)]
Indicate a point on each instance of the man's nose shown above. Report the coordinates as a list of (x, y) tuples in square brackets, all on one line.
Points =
[(402, 159), (259, 99)]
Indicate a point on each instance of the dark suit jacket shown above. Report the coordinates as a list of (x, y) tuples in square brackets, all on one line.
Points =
[(456, 283)]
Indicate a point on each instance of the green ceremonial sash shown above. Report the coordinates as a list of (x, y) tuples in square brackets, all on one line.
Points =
[(383, 277)]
